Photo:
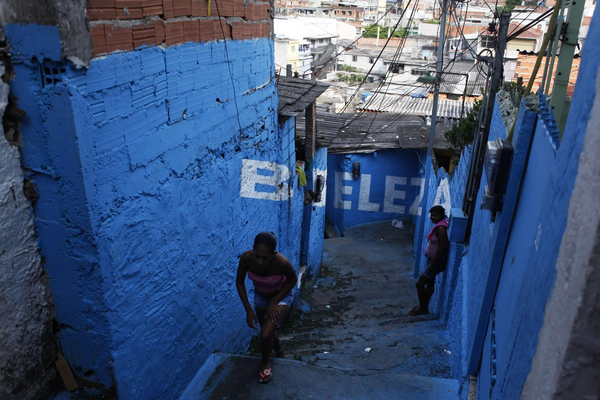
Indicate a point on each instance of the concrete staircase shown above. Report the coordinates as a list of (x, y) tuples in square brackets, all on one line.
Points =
[(349, 337)]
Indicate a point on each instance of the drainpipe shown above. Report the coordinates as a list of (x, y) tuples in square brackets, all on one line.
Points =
[(429, 159)]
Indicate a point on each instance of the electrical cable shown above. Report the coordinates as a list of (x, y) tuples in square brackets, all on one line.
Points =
[(237, 110)]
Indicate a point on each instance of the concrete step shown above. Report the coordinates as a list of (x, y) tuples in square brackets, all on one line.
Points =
[(226, 376)]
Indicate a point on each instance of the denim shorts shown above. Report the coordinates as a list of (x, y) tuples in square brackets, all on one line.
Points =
[(433, 270), (262, 300)]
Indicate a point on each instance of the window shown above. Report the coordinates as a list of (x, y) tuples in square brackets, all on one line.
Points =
[(418, 72), (488, 42), (451, 96), (293, 49), (371, 60), (397, 68), (354, 58)]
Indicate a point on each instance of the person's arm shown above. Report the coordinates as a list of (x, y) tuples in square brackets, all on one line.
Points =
[(441, 232), (291, 279), (241, 289)]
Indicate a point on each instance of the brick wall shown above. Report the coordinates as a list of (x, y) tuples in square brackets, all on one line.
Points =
[(129, 24), (526, 63)]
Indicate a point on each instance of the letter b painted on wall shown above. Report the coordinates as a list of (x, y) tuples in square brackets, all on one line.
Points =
[(265, 180)]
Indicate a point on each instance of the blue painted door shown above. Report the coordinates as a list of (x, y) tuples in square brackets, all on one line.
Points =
[(506, 318)]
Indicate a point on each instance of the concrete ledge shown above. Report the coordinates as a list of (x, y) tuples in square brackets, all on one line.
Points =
[(228, 376)]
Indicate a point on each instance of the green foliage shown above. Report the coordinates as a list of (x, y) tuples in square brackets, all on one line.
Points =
[(347, 68), (371, 32), (350, 78), (509, 6), (463, 132), (431, 21)]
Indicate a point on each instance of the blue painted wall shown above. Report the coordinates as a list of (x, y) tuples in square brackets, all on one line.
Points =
[(391, 174), (526, 265), (539, 274), (149, 192), (317, 212)]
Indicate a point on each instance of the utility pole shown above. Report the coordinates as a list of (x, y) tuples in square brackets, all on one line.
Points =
[(483, 133), (565, 62), (429, 159)]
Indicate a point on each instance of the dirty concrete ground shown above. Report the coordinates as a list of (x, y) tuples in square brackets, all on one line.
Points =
[(350, 337)]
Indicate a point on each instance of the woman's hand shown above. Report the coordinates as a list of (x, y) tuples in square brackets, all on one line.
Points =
[(273, 313), (251, 319)]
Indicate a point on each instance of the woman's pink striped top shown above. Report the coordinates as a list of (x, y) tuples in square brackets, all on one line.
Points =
[(267, 284)]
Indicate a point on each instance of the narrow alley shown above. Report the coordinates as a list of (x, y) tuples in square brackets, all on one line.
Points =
[(349, 336)]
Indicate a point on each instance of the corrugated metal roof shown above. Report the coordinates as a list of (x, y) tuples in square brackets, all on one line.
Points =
[(415, 106), (296, 94), (368, 132)]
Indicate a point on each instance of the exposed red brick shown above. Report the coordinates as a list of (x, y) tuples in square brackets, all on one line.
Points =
[(118, 38), (237, 30), (152, 10), (168, 9), (98, 38), (132, 13), (265, 11), (238, 8), (102, 4), (151, 3), (128, 3), (586, 21), (182, 8), (222, 8), (265, 29), (256, 31), (224, 30), (247, 30), (174, 33), (199, 8), (142, 32), (249, 12), (159, 31), (98, 14), (143, 42), (191, 30), (207, 30)]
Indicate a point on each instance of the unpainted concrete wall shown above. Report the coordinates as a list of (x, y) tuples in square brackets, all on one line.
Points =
[(387, 188), (27, 333)]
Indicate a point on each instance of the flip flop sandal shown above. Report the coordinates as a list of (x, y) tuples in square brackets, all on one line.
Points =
[(265, 375)]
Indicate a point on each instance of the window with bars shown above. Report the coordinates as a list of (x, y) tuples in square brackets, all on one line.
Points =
[(487, 41)]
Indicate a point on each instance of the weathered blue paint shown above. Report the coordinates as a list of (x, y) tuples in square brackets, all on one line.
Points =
[(138, 160), (391, 174), (316, 210), (494, 243), (527, 274), (521, 246), (43, 42), (539, 277)]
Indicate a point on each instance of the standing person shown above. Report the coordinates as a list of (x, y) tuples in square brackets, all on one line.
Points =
[(437, 255), (274, 279)]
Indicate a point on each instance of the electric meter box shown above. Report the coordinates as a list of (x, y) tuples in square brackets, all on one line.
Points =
[(457, 226), (498, 159)]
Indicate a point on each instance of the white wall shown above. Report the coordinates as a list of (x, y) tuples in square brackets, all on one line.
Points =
[(300, 27)]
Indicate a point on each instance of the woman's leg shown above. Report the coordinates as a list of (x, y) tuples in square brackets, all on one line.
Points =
[(425, 288), (269, 340)]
